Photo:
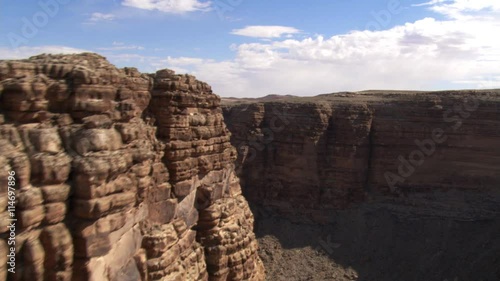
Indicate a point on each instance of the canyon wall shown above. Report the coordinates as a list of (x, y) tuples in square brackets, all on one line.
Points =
[(118, 176), (332, 151)]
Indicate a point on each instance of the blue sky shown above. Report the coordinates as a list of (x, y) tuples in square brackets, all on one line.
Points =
[(254, 47)]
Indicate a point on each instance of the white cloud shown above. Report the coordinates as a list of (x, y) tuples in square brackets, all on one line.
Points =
[(429, 54), (265, 31), (430, 3), (169, 6), (98, 17), (26, 52), (460, 9), (120, 46), (185, 61)]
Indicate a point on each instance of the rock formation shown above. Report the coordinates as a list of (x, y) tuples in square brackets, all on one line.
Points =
[(330, 151), (119, 175)]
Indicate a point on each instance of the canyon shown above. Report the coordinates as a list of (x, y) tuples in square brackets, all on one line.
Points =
[(121, 175), (373, 185)]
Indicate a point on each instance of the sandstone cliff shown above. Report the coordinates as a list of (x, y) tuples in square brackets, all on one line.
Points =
[(378, 185), (330, 151), (119, 175)]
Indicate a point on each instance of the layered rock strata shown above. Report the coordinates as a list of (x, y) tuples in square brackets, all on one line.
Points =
[(119, 175), (330, 151)]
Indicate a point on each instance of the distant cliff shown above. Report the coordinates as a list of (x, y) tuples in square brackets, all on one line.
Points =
[(331, 151), (118, 175)]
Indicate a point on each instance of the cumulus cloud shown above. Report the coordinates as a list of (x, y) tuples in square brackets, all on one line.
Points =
[(169, 6), (429, 54), (25, 51), (265, 31)]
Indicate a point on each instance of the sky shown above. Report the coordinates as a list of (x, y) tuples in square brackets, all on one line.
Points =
[(253, 48)]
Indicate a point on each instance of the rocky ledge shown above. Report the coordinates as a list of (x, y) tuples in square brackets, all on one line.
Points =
[(335, 150), (119, 175)]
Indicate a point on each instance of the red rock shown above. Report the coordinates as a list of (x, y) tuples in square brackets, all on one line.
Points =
[(4, 251), (55, 193), (31, 218), (54, 213), (29, 198), (57, 241), (50, 169), (34, 256), (126, 154)]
